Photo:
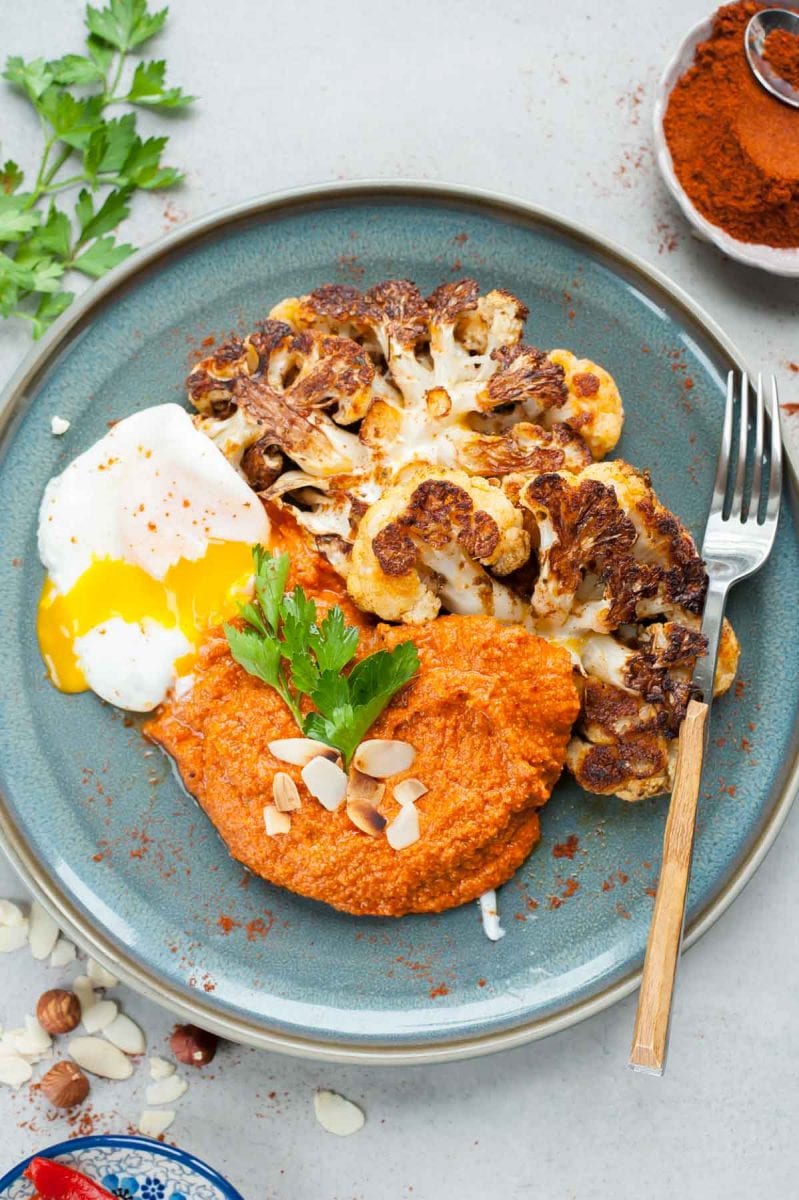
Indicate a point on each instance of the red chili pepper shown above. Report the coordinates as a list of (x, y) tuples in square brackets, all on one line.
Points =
[(54, 1181)]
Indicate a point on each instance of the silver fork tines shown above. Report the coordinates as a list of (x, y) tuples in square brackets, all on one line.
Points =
[(744, 509)]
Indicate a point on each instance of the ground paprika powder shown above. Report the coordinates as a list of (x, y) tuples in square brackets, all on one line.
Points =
[(781, 50), (735, 148)]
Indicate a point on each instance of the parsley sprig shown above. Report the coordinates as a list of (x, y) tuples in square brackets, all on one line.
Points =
[(85, 146), (284, 644)]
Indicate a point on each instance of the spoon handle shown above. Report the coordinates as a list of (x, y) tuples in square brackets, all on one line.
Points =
[(651, 1033)]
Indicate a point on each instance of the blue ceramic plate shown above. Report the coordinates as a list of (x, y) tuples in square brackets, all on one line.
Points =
[(131, 1168), (97, 823)]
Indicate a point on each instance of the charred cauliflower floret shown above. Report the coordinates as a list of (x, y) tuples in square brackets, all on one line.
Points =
[(428, 542), (593, 406), (609, 553), (621, 585), (277, 402)]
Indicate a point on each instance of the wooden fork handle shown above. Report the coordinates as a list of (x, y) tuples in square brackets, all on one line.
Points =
[(650, 1036)]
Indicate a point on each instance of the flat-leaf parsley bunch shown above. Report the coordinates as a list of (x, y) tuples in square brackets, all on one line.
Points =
[(86, 145), (285, 645)]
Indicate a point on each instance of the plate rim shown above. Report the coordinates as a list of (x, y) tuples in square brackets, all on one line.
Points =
[(125, 1141), (237, 1027)]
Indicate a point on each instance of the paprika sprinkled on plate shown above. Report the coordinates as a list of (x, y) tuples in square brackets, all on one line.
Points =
[(735, 148)]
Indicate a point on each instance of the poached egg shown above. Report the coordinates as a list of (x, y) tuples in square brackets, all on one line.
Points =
[(146, 539)]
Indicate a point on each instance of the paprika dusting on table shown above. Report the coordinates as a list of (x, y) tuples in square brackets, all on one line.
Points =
[(781, 50), (735, 147)]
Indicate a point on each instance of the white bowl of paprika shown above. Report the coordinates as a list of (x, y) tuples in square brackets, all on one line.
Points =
[(727, 150)]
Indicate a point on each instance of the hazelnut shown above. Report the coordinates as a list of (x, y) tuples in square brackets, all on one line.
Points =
[(192, 1045), (65, 1085), (58, 1011)]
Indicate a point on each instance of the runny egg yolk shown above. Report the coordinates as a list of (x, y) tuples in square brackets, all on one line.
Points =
[(193, 596)]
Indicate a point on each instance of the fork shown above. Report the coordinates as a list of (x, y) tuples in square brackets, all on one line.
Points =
[(739, 535)]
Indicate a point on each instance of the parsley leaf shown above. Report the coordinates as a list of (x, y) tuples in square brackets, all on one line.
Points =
[(371, 684), (75, 69), (10, 177), (148, 88), (33, 77), (85, 149), (101, 256), (15, 218), (283, 628), (124, 24), (113, 210)]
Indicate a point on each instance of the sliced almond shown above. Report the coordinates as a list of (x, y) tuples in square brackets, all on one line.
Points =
[(404, 829), (99, 1057), (160, 1068), (285, 793), (166, 1091), (126, 1034), (13, 937), (11, 913), (299, 751), (153, 1122), (365, 817), (43, 932), (99, 976), (326, 781), (83, 988), (63, 953), (407, 791), (363, 787), (99, 1016), (275, 821), (381, 758), (30, 1042), (336, 1114), (14, 1070)]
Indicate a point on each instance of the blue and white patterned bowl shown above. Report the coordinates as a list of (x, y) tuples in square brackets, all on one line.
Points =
[(131, 1168)]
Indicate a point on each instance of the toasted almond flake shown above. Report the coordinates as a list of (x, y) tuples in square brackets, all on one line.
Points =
[(99, 1016), (336, 1114), (58, 425), (366, 817), (14, 1070), (362, 787), (153, 1122), (408, 791), (183, 685), (490, 915), (99, 1057), (299, 751), (381, 757), (43, 932), (11, 913), (83, 988), (275, 821), (326, 781), (99, 976), (64, 953), (160, 1068), (13, 937), (285, 793), (404, 829), (126, 1034), (166, 1091)]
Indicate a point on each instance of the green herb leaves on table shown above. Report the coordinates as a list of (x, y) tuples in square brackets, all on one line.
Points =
[(285, 645), (90, 142)]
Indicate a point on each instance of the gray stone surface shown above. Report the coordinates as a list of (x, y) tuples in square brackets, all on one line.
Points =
[(552, 103)]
